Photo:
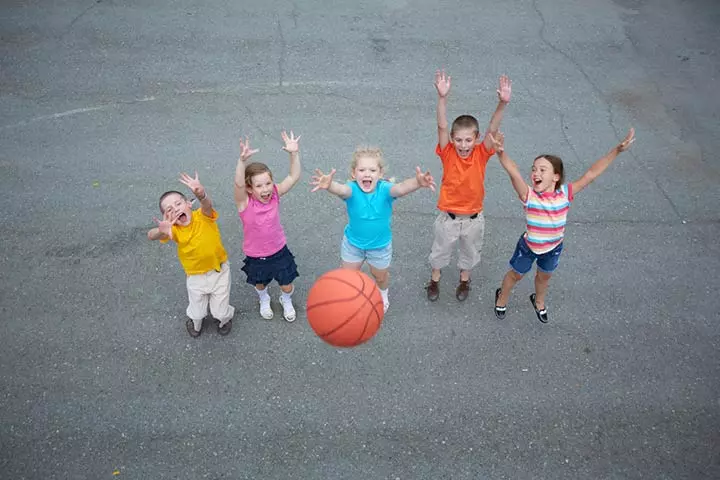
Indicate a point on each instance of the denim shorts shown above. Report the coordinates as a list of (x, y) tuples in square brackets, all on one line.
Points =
[(523, 258), (377, 257)]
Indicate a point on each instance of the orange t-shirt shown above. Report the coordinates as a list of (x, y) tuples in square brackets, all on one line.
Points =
[(462, 189)]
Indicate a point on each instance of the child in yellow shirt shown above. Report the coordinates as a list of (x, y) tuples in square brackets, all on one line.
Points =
[(201, 253)]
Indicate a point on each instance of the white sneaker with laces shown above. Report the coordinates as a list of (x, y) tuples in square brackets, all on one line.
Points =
[(265, 309), (288, 309)]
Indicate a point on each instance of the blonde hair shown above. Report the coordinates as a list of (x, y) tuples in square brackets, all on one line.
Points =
[(370, 152)]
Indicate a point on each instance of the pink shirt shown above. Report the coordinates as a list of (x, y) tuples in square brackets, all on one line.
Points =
[(262, 233)]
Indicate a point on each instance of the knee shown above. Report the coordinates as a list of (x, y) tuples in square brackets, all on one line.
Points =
[(543, 276), (381, 276), (515, 275)]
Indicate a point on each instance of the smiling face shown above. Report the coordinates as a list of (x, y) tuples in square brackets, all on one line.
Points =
[(174, 204), (543, 176), (367, 172), (463, 139), (260, 187)]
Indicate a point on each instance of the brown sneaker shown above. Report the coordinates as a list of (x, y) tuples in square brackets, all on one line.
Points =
[(191, 328), (462, 290), (225, 329), (433, 290)]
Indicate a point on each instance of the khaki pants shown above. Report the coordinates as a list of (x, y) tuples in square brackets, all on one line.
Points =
[(211, 288), (467, 232)]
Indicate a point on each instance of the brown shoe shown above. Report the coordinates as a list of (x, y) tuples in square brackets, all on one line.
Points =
[(462, 290), (225, 329), (191, 328), (433, 290)]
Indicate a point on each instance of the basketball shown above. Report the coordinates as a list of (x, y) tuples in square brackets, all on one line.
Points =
[(344, 308)]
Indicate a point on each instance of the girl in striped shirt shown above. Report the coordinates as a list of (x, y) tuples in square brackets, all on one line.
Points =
[(547, 201)]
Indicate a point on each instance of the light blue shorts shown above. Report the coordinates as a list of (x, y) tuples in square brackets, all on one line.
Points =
[(377, 257)]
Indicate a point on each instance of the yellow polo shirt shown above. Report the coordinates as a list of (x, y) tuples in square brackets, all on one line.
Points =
[(199, 244)]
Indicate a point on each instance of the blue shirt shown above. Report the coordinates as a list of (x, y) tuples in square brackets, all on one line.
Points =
[(369, 216)]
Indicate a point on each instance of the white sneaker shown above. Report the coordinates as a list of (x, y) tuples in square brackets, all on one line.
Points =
[(288, 309), (265, 310)]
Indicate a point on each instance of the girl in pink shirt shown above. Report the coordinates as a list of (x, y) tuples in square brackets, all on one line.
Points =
[(258, 202)]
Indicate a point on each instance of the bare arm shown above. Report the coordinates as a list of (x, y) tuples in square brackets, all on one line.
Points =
[(163, 231), (292, 147), (603, 163), (516, 178), (322, 181), (420, 180), (442, 85), (240, 190), (156, 234), (504, 93), (198, 190)]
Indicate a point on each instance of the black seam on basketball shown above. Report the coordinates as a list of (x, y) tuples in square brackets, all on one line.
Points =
[(360, 292)]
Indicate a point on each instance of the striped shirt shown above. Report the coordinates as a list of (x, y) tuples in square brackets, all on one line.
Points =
[(546, 214)]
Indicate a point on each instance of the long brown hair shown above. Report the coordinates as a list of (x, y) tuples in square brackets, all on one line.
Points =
[(253, 169), (557, 165)]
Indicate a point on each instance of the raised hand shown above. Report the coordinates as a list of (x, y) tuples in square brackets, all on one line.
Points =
[(505, 90), (321, 181), (498, 141), (165, 225), (193, 184), (245, 151), (424, 179), (442, 83), (291, 143), (629, 139)]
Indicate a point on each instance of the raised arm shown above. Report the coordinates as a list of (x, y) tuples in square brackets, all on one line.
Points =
[(420, 180), (516, 178), (293, 148), (240, 188), (603, 163), (442, 85), (504, 93), (198, 190), (325, 182)]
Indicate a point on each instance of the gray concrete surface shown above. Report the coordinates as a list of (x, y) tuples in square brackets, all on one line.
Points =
[(104, 103)]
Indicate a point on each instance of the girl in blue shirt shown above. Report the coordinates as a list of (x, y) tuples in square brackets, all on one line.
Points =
[(369, 199)]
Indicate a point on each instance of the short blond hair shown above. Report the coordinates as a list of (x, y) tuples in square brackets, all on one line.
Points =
[(371, 152)]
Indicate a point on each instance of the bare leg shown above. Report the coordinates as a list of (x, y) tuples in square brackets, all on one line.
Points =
[(511, 278), (542, 279), (435, 275)]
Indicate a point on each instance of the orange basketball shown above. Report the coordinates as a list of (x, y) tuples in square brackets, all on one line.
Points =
[(344, 307)]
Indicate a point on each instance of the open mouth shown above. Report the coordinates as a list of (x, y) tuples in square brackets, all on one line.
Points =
[(182, 218), (537, 182), (366, 184), (265, 196)]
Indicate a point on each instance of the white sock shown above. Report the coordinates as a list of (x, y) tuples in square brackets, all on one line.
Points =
[(263, 294), (287, 296), (384, 294)]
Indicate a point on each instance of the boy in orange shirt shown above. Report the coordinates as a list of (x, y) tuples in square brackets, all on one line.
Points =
[(201, 253), (464, 157)]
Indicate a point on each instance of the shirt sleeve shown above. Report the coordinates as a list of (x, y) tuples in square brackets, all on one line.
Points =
[(570, 195), (212, 218), (385, 190), (353, 185)]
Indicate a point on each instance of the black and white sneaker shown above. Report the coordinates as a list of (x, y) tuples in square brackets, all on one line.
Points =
[(499, 311), (541, 314)]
